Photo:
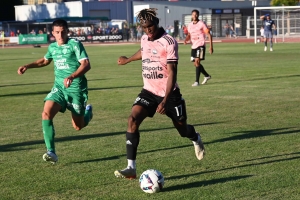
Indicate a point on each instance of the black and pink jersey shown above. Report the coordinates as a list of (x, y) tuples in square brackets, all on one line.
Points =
[(155, 56)]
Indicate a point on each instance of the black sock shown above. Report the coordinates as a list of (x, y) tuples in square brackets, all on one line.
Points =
[(198, 71), (203, 71), (191, 134), (265, 43), (132, 143)]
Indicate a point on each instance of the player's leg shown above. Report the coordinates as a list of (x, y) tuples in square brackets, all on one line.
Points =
[(138, 114), (54, 103), (176, 110), (271, 41), (187, 130), (144, 106), (201, 67), (266, 41), (195, 54), (51, 108), (81, 114)]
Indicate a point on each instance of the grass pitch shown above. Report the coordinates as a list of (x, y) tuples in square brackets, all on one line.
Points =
[(247, 114)]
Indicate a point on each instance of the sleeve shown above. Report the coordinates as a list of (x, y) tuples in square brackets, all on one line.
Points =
[(172, 52), (48, 55), (205, 29), (80, 51)]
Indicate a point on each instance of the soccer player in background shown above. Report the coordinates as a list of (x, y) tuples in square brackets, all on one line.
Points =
[(160, 93), (268, 25), (70, 90), (197, 32)]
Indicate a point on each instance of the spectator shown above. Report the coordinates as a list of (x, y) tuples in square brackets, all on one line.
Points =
[(33, 32), (237, 28), (227, 29), (18, 33), (12, 34)]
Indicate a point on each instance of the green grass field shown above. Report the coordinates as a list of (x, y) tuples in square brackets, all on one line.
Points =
[(248, 115)]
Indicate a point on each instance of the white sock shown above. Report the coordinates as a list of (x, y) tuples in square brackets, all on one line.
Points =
[(131, 163)]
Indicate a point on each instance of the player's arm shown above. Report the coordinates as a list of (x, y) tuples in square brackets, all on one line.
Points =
[(262, 17), (37, 64), (123, 60), (172, 72), (187, 38), (84, 67), (211, 48)]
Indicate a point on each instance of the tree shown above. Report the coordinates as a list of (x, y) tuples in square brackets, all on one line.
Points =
[(284, 2), (7, 9)]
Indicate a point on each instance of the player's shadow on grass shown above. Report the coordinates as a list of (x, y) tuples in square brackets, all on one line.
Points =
[(250, 164), (47, 91), (260, 79), (256, 133), (23, 84), (199, 184), (10, 147)]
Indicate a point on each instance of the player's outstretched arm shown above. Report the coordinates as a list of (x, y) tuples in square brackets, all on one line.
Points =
[(39, 63), (187, 38), (84, 67), (262, 17), (123, 60)]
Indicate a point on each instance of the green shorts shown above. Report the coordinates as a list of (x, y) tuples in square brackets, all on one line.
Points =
[(73, 101)]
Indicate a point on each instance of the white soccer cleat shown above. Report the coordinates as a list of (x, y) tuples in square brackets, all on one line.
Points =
[(265, 49), (128, 173), (50, 157), (199, 148), (271, 49), (195, 84), (192, 59), (205, 80)]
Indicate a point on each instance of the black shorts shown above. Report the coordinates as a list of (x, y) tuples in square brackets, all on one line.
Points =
[(175, 107), (199, 52)]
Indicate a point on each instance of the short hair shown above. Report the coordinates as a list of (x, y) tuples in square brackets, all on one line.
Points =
[(61, 23), (148, 15), (196, 11)]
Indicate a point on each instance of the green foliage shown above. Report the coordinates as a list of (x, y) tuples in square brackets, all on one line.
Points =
[(247, 115), (284, 2)]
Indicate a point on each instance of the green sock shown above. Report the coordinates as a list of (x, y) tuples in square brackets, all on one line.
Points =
[(87, 117), (49, 133)]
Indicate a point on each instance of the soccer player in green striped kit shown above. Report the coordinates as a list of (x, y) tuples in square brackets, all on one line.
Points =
[(70, 90)]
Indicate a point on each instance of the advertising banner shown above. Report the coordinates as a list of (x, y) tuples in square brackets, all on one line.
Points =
[(94, 38), (33, 39)]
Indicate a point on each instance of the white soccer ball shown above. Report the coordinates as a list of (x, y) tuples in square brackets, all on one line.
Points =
[(151, 181), (258, 40)]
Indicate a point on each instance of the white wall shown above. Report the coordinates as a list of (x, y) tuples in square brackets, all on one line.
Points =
[(48, 10)]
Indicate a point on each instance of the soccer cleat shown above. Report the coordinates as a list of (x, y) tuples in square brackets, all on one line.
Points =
[(205, 80), (50, 157), (271, 49), (195, 84), (192, 59), (128, 172), (265, 49), (199, 148), (90, 107)]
